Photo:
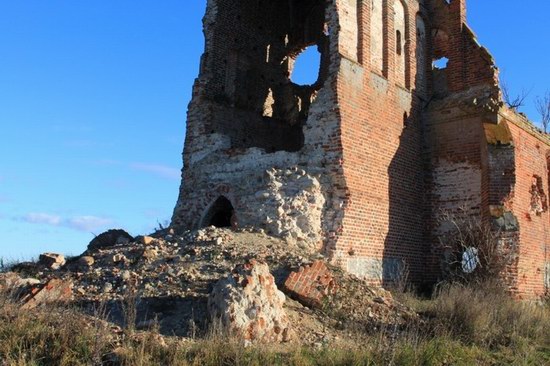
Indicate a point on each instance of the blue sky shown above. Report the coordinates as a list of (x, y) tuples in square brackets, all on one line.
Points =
[(93, 99)]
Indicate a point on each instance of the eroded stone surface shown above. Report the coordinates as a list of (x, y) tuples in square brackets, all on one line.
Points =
[(249, 305)]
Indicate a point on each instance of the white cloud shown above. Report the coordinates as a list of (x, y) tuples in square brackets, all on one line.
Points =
[(42, 218), (87, 223), (79, 223), (162, 171)]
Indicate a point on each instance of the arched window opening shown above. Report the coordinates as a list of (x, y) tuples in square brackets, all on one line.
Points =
[(398, 43), (421, 59), (400, 23), (220, 214), (377, 36)]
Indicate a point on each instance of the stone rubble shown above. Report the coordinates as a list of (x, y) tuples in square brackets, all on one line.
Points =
[(51, 260), (172, 279), (54, 291), (109, 239), (248, 304)]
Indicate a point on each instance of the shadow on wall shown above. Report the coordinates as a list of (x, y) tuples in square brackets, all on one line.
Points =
[(404, 247)]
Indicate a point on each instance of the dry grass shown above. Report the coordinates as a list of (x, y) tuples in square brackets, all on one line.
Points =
[(464, 326), (488, 317), (44, 337)]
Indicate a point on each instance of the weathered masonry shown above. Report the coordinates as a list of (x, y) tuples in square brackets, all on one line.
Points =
[(405, 121)]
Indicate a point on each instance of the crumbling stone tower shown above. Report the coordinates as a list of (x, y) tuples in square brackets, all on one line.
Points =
[(358, 164)]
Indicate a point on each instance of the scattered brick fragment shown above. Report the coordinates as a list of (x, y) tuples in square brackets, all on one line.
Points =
[(311, 284)]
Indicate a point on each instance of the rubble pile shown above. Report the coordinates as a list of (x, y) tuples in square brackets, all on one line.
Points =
[(182, 283)]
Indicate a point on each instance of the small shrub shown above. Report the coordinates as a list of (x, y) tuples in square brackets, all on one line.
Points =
[(473, 251)]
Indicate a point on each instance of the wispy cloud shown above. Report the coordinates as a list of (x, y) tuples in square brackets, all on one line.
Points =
[(159, 170), (87, 143), (42, 218), (79, 223), (4, 199), (162, 171), (87, 223)]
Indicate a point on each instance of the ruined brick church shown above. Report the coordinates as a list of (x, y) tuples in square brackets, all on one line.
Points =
[(361, 164)]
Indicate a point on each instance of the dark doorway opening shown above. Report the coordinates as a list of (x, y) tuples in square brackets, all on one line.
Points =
[(220, 213)]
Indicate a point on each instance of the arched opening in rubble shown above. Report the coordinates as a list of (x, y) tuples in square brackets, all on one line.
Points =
[(219, 214)]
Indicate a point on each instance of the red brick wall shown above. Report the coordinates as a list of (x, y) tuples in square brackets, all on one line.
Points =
[(383, 167), (531, 152), (469, 64), (454, 183)]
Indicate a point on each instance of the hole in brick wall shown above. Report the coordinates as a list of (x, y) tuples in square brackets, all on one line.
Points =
[(440, 63), (220, 214), (539, 203), (265, 86), (306, 67)]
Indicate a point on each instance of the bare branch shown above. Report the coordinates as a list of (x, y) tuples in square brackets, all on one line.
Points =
[(542, 105), (514, 102)]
